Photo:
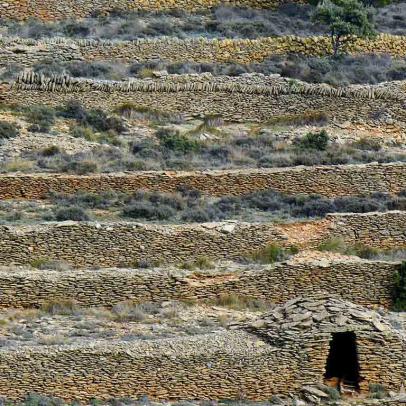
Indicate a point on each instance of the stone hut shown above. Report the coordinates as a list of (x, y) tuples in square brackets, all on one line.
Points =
[(337, 343)]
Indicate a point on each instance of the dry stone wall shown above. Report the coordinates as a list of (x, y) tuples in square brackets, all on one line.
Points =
[(331, 181), (27, 52), (307, 324), (223, 365), (205, 96), (216, 366), (87, 244), (50, 10), (367, 283)]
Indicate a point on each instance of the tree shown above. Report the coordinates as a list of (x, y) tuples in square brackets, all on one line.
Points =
[(345, 19)]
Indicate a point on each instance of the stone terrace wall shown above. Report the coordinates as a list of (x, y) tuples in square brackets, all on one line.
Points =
[(228, 365), (121, 244), (331, 181), (50, 10), (216, 366), (363, 282), (257, 98), (27, 52)]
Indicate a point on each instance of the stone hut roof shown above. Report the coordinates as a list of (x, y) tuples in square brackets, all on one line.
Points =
[(317, 316)]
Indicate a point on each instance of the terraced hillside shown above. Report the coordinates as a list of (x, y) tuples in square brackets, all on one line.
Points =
[(199, 203)]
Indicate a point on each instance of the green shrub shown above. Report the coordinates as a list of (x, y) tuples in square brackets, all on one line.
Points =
[(340, 246), (305, 118), (41, 118), (73, 109), (272, 253), (50, 151), (83, 132), (45, 263), (72, 213), (177, 142), (81, 167), (333, 393), (317, 140), (377, 391), (39, 262), (141, 210), (108, 137), (368, 144), (128, 311), (99, 120), (399, 291), (239, 302), (8, 130), (200, 263), (65, 307), (145, 264)]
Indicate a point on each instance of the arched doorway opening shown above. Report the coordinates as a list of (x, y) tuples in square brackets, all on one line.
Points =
[(342, 367)]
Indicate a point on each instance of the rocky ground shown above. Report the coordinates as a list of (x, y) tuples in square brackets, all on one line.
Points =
[(60, 323), (29, 150)]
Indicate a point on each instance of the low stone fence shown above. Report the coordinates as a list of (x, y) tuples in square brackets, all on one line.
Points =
[(368, 283), (215, 366), (27, 52), (330, 181), (50, 10), (224, 365), (86, 244), (240, 107)]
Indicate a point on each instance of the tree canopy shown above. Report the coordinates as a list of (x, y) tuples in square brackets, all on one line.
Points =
[(345, 20)]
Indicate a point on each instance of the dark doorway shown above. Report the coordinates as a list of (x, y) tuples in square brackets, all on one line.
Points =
[(342, 362)]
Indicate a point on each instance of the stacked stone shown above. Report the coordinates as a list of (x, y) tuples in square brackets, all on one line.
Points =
[(369, 283), (200, 96), (307, 324), (283, 351), (87, 244), (329, 181), (27, 52), (200, 83), (49, 10)]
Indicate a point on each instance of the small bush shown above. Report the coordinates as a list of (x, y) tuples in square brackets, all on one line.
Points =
[(65, 307), (305, 118), (145, 264), (83, 132), (73, 109), (8, 130), (377, 391), (340, 246), (240, 302), (39, 262), (174, 141), (72, 213), (97, 119), (81, 167), (141, 210), (133, 111), (34, 399), (399, 290), (333, 393), (128, 311), (41, 118), (50, 151), (317, 141), (368, 144), (50, 264), (200, 263), (333, 244), (272, 253)]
